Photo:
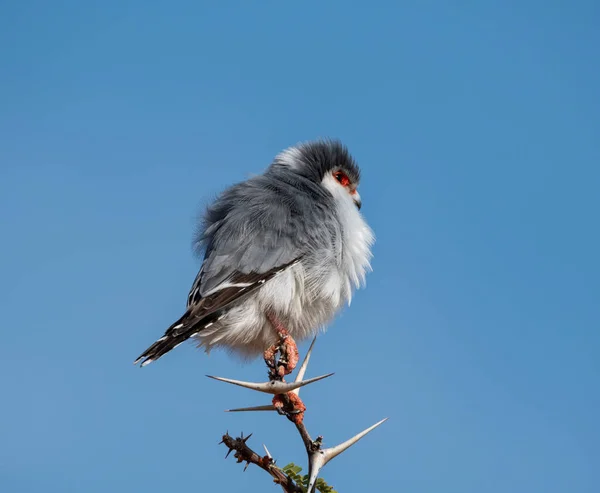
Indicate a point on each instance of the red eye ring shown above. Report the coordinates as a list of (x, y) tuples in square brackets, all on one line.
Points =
[(342, 178)]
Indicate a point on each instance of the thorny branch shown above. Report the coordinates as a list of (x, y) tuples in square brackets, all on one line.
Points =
[(285, 401), (243, 453)]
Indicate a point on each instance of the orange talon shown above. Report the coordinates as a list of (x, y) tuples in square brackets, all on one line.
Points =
[(290, 354), (286, 347)]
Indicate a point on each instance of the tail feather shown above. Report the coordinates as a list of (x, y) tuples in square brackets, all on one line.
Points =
[(206, 310), (175, 335)]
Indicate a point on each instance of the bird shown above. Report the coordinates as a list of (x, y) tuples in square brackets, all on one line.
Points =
[(283, 253)]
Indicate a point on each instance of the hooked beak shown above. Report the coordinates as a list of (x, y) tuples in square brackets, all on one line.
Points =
[(357, 200)]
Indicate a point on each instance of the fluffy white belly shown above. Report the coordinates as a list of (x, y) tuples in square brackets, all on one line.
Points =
[(301, 308)]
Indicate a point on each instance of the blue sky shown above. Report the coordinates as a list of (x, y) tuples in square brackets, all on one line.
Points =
[(476, 125)]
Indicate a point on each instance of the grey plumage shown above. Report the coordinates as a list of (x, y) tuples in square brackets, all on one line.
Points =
[(290, 241)]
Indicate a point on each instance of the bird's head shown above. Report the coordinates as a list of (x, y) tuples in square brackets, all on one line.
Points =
[(326, 162)]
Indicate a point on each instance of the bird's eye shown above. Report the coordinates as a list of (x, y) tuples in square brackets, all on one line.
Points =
[(342, 178)]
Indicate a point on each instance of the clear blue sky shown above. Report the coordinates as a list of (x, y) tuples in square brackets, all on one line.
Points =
[(477, 127)]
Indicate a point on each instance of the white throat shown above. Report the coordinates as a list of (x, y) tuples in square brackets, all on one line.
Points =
[(357, 237)]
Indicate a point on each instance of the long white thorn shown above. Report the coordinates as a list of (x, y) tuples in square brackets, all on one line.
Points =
[(298, 379), (332, 452), (268, 407), (304, 366), (321, 457), (315, 463), (267, 451), (273, 387)]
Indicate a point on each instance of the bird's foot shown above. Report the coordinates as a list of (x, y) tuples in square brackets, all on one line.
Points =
[(270, 356), (287, 349), (289, 354), (291, 406)]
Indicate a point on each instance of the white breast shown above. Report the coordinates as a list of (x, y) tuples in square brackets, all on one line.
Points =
[(357, 239)]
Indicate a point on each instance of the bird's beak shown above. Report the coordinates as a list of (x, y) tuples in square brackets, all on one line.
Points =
[(357, 200)]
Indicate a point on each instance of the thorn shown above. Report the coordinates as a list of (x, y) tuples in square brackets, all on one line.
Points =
[(299, 377), (247, 438), (304, 365), (316, 462), (273, 387), (267, 451), (228, 452), (268, 407), (333, 452), (246, 466), (319, 458)]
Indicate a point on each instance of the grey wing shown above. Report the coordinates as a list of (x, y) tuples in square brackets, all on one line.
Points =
[(248, 237), (247, 244)]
